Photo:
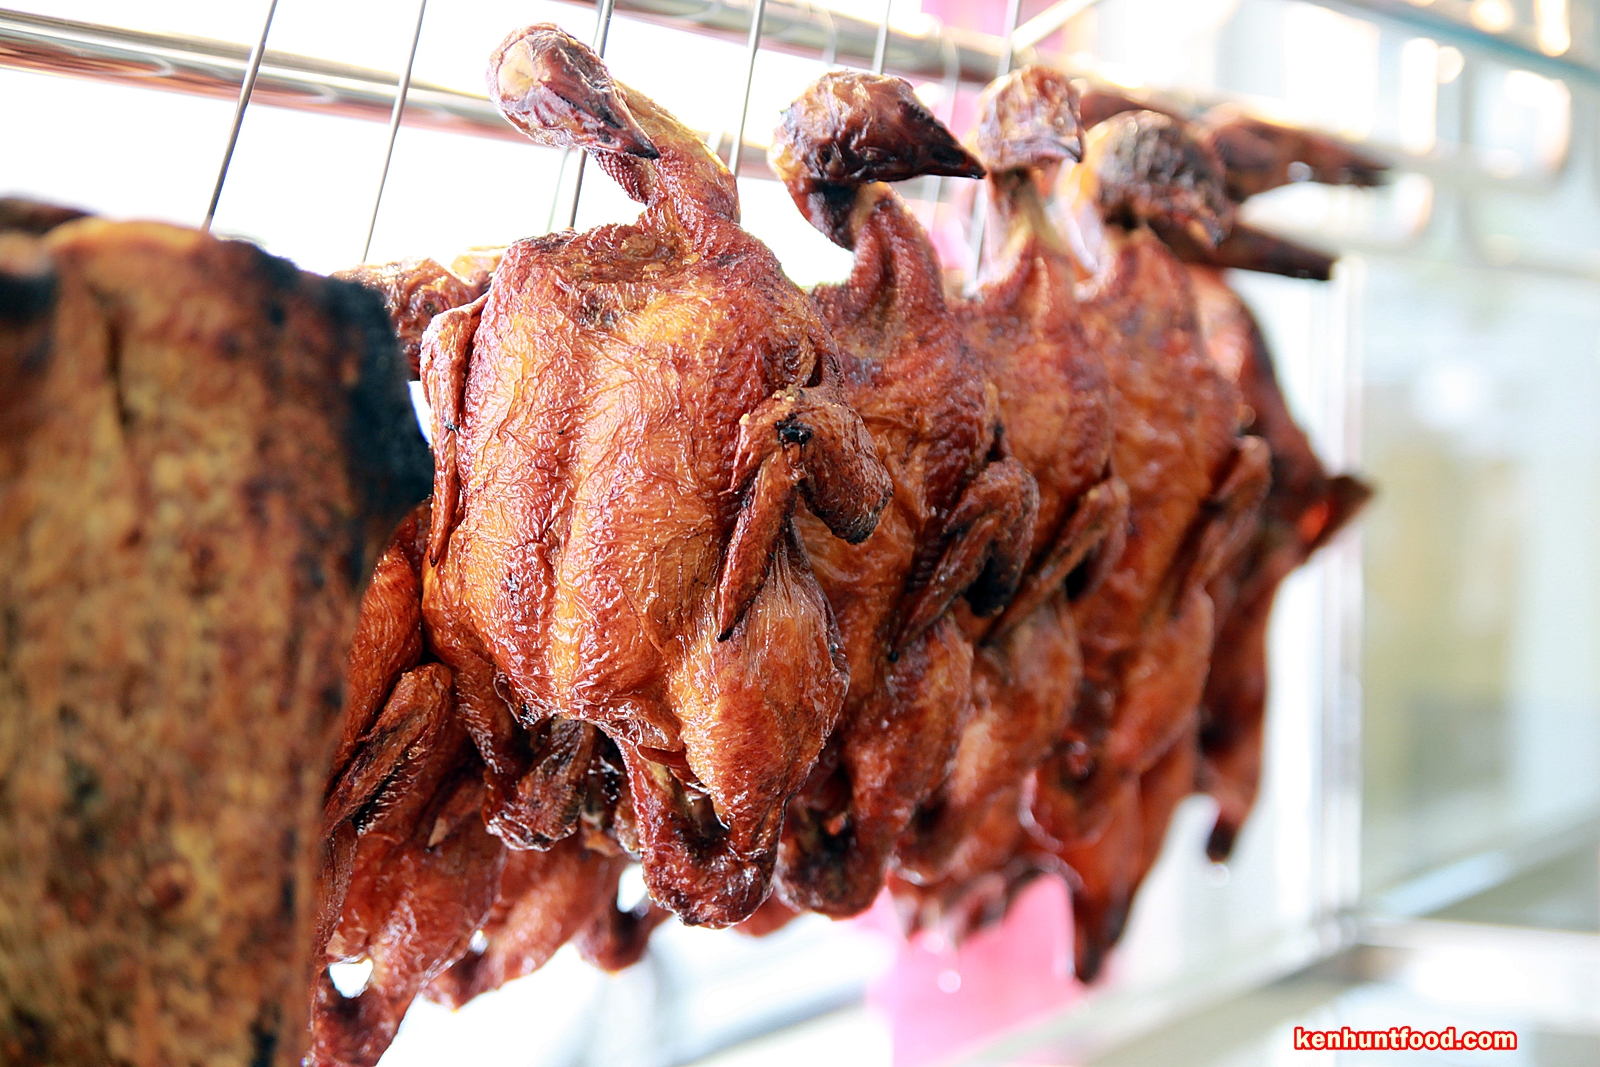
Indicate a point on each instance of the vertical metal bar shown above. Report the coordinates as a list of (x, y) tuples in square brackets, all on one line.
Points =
[(880, 51), (555, 195), (830, 29), (933, 184), (1008, 47), (602, 32), (245, 89), (756, 17), (394, 126)]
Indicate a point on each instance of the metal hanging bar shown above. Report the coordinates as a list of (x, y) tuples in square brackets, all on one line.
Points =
[(880, 51), (247, 87), (394, 126), (807, 33), (602, 32), (1049, 21), (933, 184), (830, 50), (735, 151)]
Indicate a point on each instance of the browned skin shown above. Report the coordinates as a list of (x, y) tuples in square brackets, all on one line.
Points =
[(545, 899), (1304, 508), (961, 520), (624, 426), (197, 443), (414, 291), (424, 877), (1055, 398), (1256, 153), (1194, 488)]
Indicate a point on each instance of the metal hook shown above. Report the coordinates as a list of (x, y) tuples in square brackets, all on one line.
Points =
[(245, 89), (880, 51), (394, 126), (830, 54), (756, 17), (602, 31)]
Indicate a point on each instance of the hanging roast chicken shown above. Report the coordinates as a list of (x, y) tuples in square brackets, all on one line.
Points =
[(624, 427), (1056, 404), (960, 523)]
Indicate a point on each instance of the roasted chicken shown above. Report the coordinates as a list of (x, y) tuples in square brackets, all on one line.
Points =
[(624, 426), (1194, 484), (960, 523), (1056, 404)]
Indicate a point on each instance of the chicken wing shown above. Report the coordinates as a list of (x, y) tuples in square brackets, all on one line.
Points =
[(961, 519), (413, 292), (624, 425)]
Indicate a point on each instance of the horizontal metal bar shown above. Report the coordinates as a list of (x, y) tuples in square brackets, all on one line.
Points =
[(800, 28), (202, 67), (1517, 47)]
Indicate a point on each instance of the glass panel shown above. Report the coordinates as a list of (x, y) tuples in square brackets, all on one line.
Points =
[(1482, 649)]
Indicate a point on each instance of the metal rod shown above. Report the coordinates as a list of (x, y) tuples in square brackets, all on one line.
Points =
[(245, 89), (1049, 21), (751, 48), (934, 184), (213, 69), (830, 48), (806, 31), (602, 32), (394, 126), (880, 51), (1008, 44)]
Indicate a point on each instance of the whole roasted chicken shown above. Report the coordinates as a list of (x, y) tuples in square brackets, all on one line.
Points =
[(1056, 403), (624, 426), (1194, 484), (960, 522)]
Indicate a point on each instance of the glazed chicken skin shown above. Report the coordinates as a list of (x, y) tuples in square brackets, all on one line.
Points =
[(961, 519), (409, 870), (411, 876), (1193, 481), (1304, 509), (1194, 486), (624, 425), (1055, 399), (413, 292)]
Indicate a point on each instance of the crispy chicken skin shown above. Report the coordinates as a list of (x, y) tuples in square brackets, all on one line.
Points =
[(545, 899), (1194, 485), (624, 426), (1055, 399), (201, 450), (1304, 508), (961, 519), (413, 292), (409, 870)]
